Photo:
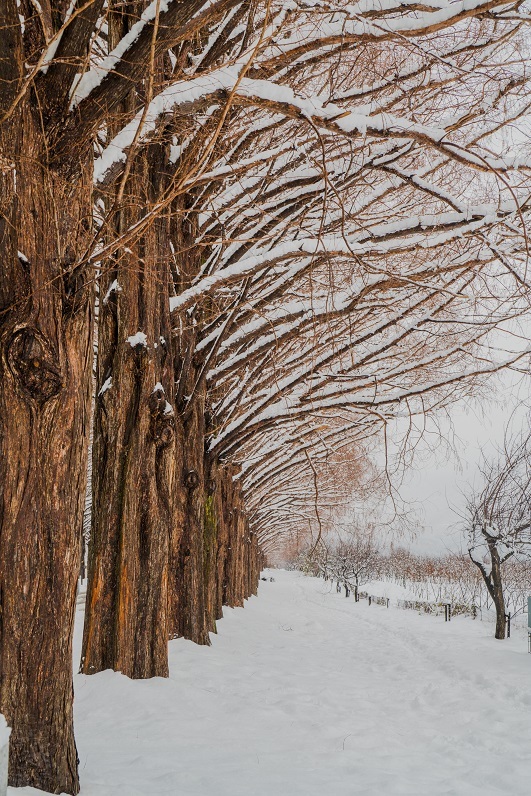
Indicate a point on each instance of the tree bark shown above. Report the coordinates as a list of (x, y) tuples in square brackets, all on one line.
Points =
[(224, 514), (496, 591), (187, 606), (188, 611), (210, 543), (126, 623), (494, 583), (45, 386), (229, 579)]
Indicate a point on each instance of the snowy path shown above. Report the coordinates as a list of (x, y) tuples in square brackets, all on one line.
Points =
[(305, 693)]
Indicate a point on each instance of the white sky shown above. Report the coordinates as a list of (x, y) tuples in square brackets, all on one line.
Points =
[(437, 479)]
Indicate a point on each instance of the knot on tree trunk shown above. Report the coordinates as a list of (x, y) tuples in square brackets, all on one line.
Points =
[(191, 479), (75, 293), (33, 363), (162, 418)]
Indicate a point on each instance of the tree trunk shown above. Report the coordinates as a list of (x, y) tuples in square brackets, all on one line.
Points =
[(210, 542), (496, 592), (45, 387), (242, 536), (494, 583), (230, 596), (126, 624), (188, 612), (256, 559), (223, 496), (187, 574)]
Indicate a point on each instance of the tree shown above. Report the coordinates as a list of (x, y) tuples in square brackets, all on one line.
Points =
[(498, 518), (290, 176), (240, 258), (46, 300), (356, 556), (50, 249)]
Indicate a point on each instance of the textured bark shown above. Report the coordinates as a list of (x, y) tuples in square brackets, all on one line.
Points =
[(255, 564), (234, 574), (224, 514), (210, 545), (45, 384), (237, 557), (175, 536), (244, 557), (239, 545), (228, 552), (494, 582), (496, 591), (187, 577), (189, 617), (230, 549), (126, 624)]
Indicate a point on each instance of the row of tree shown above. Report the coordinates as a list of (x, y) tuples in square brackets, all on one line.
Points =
[(356, 558), (269, 228)]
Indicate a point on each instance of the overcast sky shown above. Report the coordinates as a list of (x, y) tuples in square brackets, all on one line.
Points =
[(437, 478)]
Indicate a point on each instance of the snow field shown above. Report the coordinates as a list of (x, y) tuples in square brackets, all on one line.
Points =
[(306, 693)]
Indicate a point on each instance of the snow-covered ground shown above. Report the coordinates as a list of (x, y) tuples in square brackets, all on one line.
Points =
[(306, 693)]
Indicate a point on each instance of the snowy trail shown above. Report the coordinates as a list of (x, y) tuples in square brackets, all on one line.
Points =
[(306, 693)]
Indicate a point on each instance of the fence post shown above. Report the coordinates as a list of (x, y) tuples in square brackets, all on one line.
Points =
[(370, 599), (508, 624)]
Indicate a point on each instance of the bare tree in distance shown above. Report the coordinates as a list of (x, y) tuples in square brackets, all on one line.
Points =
[(357, 554), (497, 518)]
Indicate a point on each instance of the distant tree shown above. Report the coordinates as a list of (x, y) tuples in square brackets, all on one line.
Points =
[(498, 518), (355, 559)]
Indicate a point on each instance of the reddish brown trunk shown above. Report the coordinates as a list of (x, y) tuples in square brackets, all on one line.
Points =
[(228, 492), (187, 605), (242, 559), (46, 344), (188, 611), (255, 563), (210, 543), (126, 624), (241, 547), (223, 497)]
